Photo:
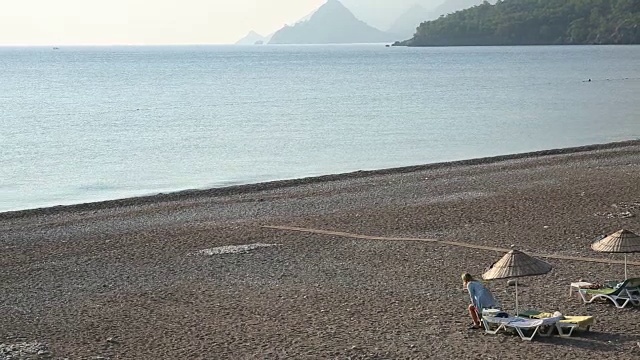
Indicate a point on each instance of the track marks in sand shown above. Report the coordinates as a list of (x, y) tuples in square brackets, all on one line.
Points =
[(443, 242)]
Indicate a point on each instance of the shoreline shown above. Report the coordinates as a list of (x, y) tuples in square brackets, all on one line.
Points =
[(190, 194), (364, 266)]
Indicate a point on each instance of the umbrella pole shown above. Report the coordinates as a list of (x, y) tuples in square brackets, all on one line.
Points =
[(516, 314), (625, 267)]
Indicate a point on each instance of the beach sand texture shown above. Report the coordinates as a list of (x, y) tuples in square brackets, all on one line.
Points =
[(132, 279)]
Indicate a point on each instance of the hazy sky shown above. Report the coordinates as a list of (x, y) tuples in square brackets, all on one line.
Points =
[(60, 22), (79, 22)]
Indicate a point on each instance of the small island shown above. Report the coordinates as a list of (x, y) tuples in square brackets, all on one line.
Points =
[(533, 22)]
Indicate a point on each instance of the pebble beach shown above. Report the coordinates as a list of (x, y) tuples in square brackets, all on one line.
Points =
[(364, 265)]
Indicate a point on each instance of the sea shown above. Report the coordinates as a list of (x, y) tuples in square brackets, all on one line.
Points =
[(85, 124)]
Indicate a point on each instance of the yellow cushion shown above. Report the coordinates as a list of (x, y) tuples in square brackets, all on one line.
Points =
[(581, 321)]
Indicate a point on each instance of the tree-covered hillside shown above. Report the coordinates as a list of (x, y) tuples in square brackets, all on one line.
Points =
[(535, 22)]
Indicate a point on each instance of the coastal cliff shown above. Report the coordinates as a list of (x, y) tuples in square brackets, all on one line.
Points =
[(531, 22)]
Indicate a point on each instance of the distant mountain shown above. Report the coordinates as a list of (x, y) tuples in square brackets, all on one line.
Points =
[(405, 25), (306, 18), (332, 23), (251, 38), (381, 14)]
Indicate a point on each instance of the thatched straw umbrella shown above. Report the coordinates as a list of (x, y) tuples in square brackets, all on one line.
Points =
[(623, 241), (516, 264)]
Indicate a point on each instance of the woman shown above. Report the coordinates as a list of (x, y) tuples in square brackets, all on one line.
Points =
[(481, 298)]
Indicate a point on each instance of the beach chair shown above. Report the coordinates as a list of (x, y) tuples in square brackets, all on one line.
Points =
[(567, 323), (526, 328), (628, 292)]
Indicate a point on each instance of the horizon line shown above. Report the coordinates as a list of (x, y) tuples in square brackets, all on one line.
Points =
[(170, 44), (111, 44)]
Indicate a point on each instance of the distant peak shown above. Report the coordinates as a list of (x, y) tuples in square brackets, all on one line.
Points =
[(334, 3), (332, 7), (332, 23)]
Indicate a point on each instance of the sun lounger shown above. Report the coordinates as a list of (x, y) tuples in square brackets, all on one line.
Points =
[(567, 323), (543, 327), (621, 296)]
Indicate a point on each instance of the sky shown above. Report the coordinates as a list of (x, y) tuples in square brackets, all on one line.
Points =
[(143, 22), (155, 22)]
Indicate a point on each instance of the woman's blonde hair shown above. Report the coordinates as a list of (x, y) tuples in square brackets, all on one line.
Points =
[(466, 277)]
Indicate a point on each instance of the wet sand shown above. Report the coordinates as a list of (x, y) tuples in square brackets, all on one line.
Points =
[(126, 279)]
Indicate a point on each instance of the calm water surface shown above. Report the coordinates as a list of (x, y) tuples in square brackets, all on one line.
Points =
[(89, 124)]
